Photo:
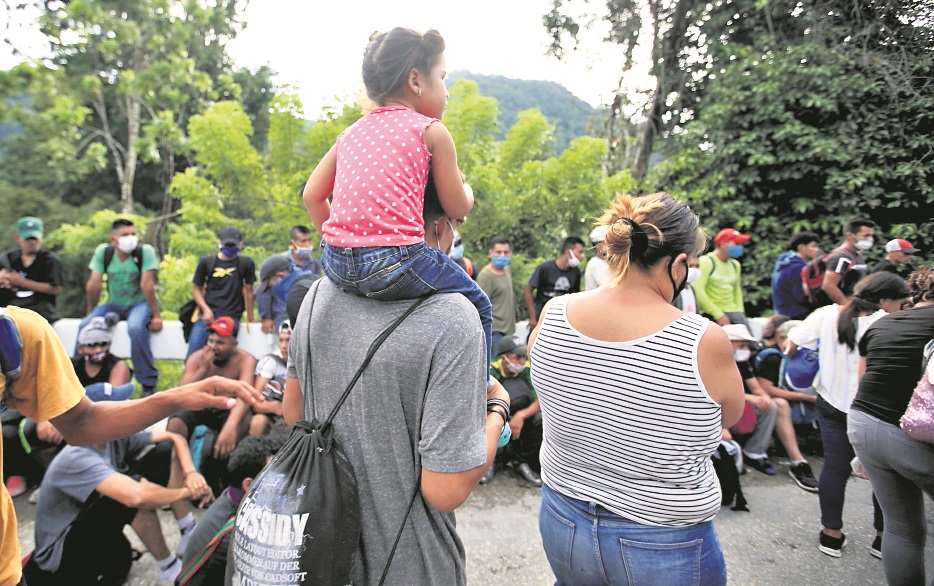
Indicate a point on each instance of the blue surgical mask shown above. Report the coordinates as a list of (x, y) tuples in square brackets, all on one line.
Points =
[(457, 252), (501, 260), (230, 250), (303, 253), (735, 250)]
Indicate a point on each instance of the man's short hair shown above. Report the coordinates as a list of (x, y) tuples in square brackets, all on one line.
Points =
[(296, 230), (570, 242), (248, 459), (853, 225), (120, 223), (499, 240), (800, 238)]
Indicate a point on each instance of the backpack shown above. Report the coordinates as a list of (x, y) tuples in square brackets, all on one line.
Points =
[(189, 312), (724, 464), (713, 265), (812, 276), (207, 566), (137, 255), (796, 374), (300, 520)]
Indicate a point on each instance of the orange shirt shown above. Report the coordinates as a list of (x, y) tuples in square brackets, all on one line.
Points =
[(46, 387)]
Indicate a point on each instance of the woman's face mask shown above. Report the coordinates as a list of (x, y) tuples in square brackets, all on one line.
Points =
[(127, 243)]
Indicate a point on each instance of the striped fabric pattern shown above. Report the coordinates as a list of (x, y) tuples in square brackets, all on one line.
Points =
[(628, 425)]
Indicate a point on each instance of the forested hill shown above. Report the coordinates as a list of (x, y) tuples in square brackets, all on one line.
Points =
[(571, 116)]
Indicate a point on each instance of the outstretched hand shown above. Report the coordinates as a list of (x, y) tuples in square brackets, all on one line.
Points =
[(217, 392)]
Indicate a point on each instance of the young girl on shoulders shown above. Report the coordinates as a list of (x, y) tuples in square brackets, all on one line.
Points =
[(376, 174)]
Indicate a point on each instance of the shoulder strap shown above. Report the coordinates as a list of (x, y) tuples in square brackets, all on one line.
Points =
[(241, 267), (209, 268), (713, 264), (137, 255), (108, 256), (9, 257)]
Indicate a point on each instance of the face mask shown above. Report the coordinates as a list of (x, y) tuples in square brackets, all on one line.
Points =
[(500, 260), (514, 367), (457, 252), (864, 244), (735, 250), (96, 357), (693, 273), (677, 288), (742, 355), (127, 244), (230, 250), (303, 253), (573, 261)]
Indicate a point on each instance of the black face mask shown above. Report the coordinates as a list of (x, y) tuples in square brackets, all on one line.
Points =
[(684, 282)]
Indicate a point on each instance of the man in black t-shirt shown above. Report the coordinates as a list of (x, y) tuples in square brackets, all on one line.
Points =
[(226, 291), (554, 277), (845, 264), (897, 258), (30, 276)]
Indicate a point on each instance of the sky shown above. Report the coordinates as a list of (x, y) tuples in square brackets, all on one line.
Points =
[(317, 47)]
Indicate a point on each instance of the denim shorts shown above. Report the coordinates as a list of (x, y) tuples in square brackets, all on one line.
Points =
[(383, 272), (588, 545)]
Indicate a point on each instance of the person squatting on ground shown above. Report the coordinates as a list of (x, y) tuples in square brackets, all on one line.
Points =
[(372, 230), (419, 406), (901, 469), (270, 382), (45, 388), (837, 331), (634, 394), (131, 294)]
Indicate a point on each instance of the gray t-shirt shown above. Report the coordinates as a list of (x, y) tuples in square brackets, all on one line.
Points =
[(69, 482), (431, 368)]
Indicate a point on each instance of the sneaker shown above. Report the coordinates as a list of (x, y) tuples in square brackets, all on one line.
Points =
[(34, 496), (168, 575), (875, 550), (529, 475), (831, 545), (488, 475), (803, 477), (16, 485), (147, 391), (761, 464)]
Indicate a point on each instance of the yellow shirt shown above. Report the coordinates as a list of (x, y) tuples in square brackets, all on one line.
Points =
[(47, 386)]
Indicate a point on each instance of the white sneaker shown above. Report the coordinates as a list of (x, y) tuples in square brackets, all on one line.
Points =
[(168, 575)]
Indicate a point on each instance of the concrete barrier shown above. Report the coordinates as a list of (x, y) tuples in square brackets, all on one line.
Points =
[(169, 344)]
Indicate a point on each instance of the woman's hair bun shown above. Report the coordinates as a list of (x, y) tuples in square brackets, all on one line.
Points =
[(433, 42)]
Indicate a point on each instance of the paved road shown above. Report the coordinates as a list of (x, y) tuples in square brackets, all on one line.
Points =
[(774, 544)]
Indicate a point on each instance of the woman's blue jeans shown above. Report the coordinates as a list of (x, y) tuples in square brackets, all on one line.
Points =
[(588, 545)]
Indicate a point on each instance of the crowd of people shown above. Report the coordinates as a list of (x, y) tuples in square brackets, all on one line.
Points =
[(612, 400)]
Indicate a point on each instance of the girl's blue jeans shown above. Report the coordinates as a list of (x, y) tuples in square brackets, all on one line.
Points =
[(588, 545), (404, 272)]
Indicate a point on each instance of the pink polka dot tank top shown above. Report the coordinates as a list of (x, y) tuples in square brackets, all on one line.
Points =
[(379, 188)]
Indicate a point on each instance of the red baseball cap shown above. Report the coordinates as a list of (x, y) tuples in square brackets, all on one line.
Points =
[(899, 245), (223, 326), (730, 235)]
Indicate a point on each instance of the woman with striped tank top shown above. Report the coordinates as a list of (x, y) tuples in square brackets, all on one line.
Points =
[(634, 396)]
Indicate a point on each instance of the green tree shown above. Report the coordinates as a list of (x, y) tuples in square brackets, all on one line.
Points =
[(471, 118)]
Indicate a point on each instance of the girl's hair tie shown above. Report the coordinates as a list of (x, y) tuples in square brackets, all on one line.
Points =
[(638, 237)]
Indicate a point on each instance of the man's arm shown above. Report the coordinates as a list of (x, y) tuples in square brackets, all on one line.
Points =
[(197, 293), (93, 290), (773, 391), (147, 284), (197, 366), (530, 305), (248, 303), (518, 418), (90, 423), (831, 286), (140, 494), (14, 279), (227, 438), (195, 483)]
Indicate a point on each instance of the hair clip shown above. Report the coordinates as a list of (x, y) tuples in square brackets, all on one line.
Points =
[(640, 240)]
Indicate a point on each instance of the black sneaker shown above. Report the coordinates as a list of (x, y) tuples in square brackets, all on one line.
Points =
[(761, 464), (803, 477), (147, 391), (875, 550), (831, 545)]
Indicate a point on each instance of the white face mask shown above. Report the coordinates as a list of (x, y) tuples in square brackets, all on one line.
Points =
[(693, 273), (515, 367), (128, 243), (864, 244), (573, 261), (742, 354)]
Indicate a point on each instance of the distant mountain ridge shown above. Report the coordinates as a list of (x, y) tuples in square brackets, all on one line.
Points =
[(571, 116)]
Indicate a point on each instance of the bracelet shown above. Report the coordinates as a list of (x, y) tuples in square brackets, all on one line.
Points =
[(498, 412), (499, 402)]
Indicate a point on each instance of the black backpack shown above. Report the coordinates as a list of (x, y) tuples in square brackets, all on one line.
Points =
[(189, 312), (302, 512), (812, 277), (728, 476)]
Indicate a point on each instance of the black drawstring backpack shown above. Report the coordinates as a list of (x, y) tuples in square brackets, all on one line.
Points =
[(299, 522)]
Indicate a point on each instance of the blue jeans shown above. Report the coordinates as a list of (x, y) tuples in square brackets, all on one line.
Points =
[(199, 336), (586, 544), (405, 272), (137, 317), (901, 471), (98, 392), (837, 470)]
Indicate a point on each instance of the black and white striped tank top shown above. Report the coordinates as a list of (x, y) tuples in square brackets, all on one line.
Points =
[(628, 425)]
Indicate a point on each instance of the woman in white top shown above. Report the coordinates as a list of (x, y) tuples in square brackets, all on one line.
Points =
[(837, 330), (634, 395)]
